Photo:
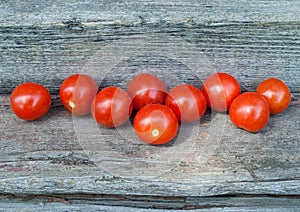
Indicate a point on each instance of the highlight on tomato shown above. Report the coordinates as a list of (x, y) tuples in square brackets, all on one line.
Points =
[(155, 124), (187, 101), (277, 94), (146, 88), (249, 111), (77, 93), (111, 107), (30, 101), (220, 89)]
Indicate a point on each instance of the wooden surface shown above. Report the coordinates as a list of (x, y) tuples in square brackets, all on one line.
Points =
[(62, 162)]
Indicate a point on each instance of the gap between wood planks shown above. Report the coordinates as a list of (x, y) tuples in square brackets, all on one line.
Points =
[(147, 201)]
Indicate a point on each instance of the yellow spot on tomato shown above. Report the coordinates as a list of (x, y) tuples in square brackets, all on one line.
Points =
[(71, 104), (155, 132)]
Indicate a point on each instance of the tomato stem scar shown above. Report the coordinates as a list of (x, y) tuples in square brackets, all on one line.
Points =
[(155, 132), (72, 104)]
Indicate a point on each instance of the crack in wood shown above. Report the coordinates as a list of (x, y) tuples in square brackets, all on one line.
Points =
[(252, 174), (72, 160), (147, 201)]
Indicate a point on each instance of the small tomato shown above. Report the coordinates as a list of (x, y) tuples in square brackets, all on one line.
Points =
[(30, 101), (77, 93), (249, 111), (111, 107), (155, 124), (146, 89), (277, 94), (187, 101), (220, 89)]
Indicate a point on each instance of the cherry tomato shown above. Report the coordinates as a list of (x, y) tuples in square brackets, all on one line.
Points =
[(187, 101), (249, 111), (112, 107), (146, 89), (277, 94), (220, 89), (155, 124), (30, 101), (77, 93)]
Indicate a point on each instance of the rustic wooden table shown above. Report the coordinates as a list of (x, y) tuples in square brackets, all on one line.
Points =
[(64, 163)]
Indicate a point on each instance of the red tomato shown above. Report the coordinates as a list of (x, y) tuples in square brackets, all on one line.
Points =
[(187, 101), (77, 93), (146, 89), (112, 107), (220, 90), (277, 94), (155, 124), (249, 111), (30, 101)]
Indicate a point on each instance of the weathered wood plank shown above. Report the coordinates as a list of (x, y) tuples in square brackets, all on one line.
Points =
[(149, 11), (64, 154), (250, 52), (146, 203), (48, 46), (210, 165)]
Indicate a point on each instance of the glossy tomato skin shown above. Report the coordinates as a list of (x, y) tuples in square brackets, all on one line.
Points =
[(220, 89), (146, 89), (155, 124), (277, 94), (77, 93), (112, 107), (30, 101), (249, 111), (187, 101)]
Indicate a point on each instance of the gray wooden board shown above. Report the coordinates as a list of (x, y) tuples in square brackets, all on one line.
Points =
[(148, 11), (250, 52), (249, 43), (146, 203), (54, 155), (61, 159)]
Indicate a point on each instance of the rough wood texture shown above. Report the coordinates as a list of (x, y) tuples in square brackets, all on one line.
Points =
[(146, 203), (46, 42), (65, 163)]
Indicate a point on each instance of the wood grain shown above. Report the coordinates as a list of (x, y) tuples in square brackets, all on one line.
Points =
[(146, 11), (81, 202), (61, 153), (62, 162), (48, 47)]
